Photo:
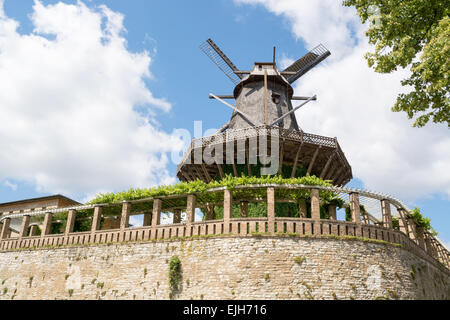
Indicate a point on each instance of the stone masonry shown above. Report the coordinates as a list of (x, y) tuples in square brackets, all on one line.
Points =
[(224, 268)]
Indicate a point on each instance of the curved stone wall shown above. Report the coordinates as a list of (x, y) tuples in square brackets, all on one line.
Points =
[(224, 268)]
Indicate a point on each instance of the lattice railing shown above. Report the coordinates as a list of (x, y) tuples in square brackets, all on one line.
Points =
[(247, 133)]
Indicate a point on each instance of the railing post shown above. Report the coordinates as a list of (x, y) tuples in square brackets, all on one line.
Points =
[(96, 219), (302, 208), (386, 214), (124, 219), (428, 245), (442, 254), (332, 212), (435, 249), (227, 210), (24, 226), (33, 230), (47, 226), (147, 219), (315, 210), (190, 213), (177, 216), (244, 209), (420, 237), (412, 229), (70, 222), (5, 228), (356, 212), (403, 224), (156, 214), (365, 218), (271, 210)]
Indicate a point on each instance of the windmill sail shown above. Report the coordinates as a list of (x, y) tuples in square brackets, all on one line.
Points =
[(221, 60), (306, 63)]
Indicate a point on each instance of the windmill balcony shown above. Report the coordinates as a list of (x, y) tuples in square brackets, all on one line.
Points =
[(318, 155)]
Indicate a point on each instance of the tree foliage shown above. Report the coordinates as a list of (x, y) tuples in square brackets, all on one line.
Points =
[(422, 221), (415, 34)]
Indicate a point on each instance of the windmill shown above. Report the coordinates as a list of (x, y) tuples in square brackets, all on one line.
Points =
[(289, 75), (263, 100)]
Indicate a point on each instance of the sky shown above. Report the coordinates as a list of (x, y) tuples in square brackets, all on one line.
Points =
[(92, 92)]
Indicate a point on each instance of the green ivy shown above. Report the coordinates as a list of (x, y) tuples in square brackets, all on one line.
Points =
[(421, 221), (395, 223), (229, 182), (174, 275), (348, 214)]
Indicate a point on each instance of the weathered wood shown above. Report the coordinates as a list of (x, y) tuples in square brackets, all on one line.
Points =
[(208, 177), (234, 169), (5, 228), (70, 222), (219, 167), (280, 163), (24, 226), (327, 165), (294, 167), (313, 160), (266, 100)]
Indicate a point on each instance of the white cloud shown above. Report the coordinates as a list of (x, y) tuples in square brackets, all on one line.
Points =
[(385, 152), (10, 185), (68, 98)]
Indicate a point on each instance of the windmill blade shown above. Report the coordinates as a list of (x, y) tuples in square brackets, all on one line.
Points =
[(221, 60), (307, 62)]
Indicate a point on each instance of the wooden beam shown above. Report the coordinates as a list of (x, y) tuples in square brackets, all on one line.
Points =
[(340, 177), (266, 100), (247, 155), (343, 176), (185, 175), (223, 97), (280, 164), (208, 177), (294, 167), (327, 165), (219, 166), (330, 173), (304, 98), (337, 174), (234, 170), (243, 114), (313, 160), (199, 173)]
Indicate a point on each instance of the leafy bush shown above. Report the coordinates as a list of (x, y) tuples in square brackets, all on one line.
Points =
[(395, 223), (421, 221), (174, 275), (229, 182), (255, 209)]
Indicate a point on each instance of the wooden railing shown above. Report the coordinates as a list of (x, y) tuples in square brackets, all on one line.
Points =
[(409, 235), (245, 133)]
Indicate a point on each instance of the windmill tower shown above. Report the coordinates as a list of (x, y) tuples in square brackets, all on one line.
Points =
[(263, 108)]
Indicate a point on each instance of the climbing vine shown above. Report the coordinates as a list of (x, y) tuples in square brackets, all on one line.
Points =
[(174, 275), (421, 221), (294, 196), (199, 186)]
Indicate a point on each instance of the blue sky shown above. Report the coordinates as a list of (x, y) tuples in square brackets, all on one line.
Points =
[(386, 154)]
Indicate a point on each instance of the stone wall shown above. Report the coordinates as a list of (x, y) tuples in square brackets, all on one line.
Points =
[(224, 268)]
